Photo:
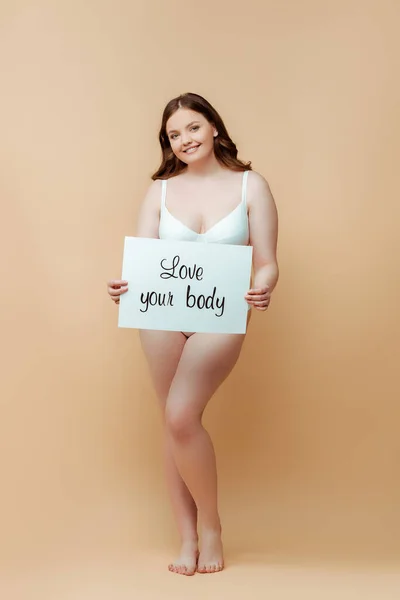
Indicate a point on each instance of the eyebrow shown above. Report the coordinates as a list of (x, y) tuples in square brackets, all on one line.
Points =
[(174, 130)]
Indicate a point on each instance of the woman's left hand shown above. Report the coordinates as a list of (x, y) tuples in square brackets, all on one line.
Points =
[(259, 298)]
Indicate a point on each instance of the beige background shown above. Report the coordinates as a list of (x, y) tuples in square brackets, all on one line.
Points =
[(306, 428)]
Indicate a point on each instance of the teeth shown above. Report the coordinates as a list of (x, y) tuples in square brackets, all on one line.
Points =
[(190, 150)]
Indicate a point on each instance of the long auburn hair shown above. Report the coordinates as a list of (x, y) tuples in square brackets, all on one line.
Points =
[(224, 148)]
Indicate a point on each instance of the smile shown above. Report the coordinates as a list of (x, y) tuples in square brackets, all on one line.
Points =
[(191, 149)]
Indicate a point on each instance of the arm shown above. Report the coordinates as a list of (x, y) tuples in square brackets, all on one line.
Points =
[(149, 213), (263, 222), (147, 227)]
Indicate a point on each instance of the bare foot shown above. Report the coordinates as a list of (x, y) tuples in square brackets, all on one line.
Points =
[(186, 564), (211, 558)]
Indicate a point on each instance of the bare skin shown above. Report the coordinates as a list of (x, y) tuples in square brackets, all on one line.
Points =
[(185, 374), (186, 370), (163, 350)]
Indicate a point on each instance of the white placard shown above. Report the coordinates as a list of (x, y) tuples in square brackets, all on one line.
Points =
[(185, 286)]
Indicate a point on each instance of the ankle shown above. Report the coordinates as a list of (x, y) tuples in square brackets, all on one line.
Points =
[(211, 527), (190, 540)]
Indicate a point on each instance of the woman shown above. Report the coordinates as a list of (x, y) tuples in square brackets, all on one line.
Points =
[(201, 192)]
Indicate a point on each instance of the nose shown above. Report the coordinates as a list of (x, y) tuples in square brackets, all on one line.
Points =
[(186, 140)]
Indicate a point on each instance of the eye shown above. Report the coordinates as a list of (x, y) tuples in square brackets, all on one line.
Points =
[(173, 136), (195, 127)]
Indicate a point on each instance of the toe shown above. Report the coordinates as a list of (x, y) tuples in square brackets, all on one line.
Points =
[(181, 569)]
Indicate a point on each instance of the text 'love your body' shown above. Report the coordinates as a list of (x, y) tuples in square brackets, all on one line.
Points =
[(181, 271)]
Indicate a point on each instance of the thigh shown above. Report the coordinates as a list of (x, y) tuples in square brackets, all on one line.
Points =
[(163, 350), (206, 361)]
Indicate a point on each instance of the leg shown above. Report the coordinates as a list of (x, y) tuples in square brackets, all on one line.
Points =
[(163, 351), (207, 359)]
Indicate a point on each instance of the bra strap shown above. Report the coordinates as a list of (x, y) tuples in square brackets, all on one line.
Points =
[(163, 192), (244, 187)]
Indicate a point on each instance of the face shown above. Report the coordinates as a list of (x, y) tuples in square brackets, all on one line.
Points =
[(190, 134)]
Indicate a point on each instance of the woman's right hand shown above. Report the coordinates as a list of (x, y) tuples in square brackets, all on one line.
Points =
[(116, 287)]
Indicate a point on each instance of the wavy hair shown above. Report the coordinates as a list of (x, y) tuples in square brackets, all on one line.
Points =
[(224, 148)]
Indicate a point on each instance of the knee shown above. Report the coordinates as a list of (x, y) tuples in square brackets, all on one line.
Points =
[(182, 424)]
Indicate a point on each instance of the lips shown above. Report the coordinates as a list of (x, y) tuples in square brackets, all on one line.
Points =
[(192, 148)]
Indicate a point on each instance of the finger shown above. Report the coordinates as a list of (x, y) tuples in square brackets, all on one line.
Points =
[(261, 304), (115, 283), (263, 290), (257, 297), (263, 298), (118, 292), (113, 292)]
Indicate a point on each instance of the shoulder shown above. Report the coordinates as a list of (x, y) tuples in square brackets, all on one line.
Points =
[(257, 182), (153, 193), (155, 186), (258, 189)]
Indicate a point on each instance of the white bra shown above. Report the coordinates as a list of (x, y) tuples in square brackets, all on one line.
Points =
[(232, 229)]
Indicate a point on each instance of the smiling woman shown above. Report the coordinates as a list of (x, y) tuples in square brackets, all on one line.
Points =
[(197, 130), (216, 198)]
